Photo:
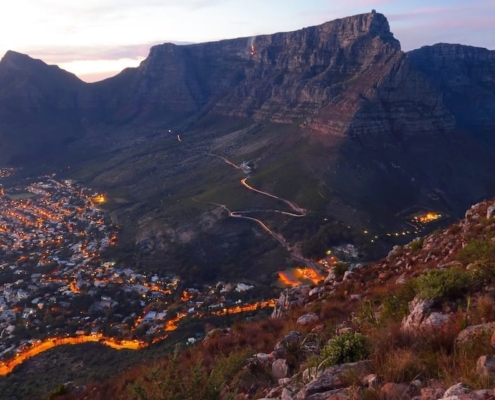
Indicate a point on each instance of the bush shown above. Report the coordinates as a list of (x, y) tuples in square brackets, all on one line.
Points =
[(345, 348), (340, 269), (395, 306), (416, 245), (440, 284), (477, 250)]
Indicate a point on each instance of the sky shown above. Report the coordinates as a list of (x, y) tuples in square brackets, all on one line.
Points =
[(96, 39)]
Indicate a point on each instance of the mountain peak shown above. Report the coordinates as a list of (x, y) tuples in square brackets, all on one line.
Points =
[(12, 58)]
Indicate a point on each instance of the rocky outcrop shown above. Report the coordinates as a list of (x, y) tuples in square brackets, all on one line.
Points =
[(293, 297)]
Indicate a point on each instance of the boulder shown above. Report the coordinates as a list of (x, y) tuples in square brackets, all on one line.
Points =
[(286, 394), (280, 369), (316, 291), (333, 377), (370, 380), (484, 394), (337, 394), (293, 338), (435, 320), (485, 366), (490, 211), (330, 277), (474, 332), (418, 309), (457, 389), (432, 393), (307, 319), (396, 391), (401, 280), (284, 381), (262, 357)]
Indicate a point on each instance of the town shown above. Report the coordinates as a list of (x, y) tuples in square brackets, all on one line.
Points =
[(56, 288)]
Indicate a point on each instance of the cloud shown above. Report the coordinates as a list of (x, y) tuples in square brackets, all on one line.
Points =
[(64, 54)]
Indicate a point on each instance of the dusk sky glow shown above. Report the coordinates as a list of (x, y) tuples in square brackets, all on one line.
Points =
[(97, 38)]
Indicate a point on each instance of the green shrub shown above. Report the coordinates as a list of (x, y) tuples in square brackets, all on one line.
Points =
[(396, 306), (416, 245), (440, 284), (477, 250), (345, 348), (340, 269)]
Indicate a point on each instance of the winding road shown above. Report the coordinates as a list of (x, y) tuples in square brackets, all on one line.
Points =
[(298, 213)]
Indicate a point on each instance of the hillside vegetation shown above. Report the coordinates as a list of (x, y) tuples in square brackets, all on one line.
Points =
[(417, 324)]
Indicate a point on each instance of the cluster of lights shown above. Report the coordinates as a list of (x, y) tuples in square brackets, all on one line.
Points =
[(430, 216)]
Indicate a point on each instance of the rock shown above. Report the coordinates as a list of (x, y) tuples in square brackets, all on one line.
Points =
[(347, 275), (417, 313), (432, 393), (286, 394), (417, 383), (474, 332), (435, 320), (309, 374), (355, 297), (401, 280), (490, 211), (337, 394), (315, 291), (383, 276), (395, 391), (284, 381), (293, 297), (293, 338), (307, 319), (484, 394), (457, 389), (275, 392), (280, 369), (330, 277), (370, 380), (485, 366), (262, 357), (333, 377)]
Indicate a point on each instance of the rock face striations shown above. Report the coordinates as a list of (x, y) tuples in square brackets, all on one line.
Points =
[(345, 77), (465, 76)]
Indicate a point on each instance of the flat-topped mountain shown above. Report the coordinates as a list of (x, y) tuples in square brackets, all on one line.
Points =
[(334, 118)]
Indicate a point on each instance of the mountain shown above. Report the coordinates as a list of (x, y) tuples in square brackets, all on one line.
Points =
[(335, 119)]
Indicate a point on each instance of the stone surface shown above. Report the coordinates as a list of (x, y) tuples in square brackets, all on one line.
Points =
[(280, 369), (332, 378), (293, 338), (418, 310), (457, 389), (474, 332), (395, 391), (432, 393), (485, 366), (435, 320), (307, 319)]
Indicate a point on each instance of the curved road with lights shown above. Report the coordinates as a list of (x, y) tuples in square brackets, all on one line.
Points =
[(301, 212)]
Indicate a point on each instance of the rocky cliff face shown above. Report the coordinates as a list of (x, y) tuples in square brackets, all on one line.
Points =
[(345, 77), (465, 76)]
